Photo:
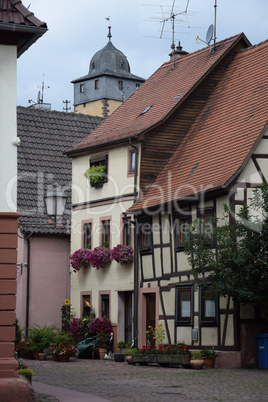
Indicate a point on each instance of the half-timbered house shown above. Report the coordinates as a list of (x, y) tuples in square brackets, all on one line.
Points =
[(145, 137), (221, 159)]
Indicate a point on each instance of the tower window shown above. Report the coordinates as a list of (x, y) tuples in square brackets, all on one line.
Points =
[(122, 65), (93, 65), (82, 88), (138, 85), (96, 84), (120, 85)]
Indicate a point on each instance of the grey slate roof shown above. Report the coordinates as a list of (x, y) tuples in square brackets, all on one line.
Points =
[(45, 136)]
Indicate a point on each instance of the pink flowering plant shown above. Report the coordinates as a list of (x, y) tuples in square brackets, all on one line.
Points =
[(122, 254), (100, 325), (80, 258), (100, 256)]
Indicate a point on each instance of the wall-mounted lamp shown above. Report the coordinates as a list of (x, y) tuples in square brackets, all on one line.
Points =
[(55, 201)]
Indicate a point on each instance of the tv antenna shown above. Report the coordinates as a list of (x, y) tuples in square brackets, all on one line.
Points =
[(40, 94), (211, 32)]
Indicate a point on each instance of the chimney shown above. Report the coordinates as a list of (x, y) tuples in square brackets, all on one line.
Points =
[(178, 52)]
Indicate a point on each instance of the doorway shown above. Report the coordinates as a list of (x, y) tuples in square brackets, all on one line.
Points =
[(150, 314)]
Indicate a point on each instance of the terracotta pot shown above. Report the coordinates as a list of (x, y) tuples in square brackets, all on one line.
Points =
[(197, 364), (209, 362), (55, 358), (102, 353), (36, 354), (64, 358), (129, 359), (42, 356)]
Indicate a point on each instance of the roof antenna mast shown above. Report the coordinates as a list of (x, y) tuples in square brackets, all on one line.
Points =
[(172, 19), (211, 32)]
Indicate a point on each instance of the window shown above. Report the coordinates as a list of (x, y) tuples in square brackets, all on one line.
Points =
[(138, 85), (82, 88), (126, 232), (145, 234), (105, 233), (208, 311), (105, 306), (96, 84), (93, 65), (122, 65), (86, 306), (120, 85), (182, 225), (87, 235), (207, 225), (131, 161), (100, 160), (184, 305)]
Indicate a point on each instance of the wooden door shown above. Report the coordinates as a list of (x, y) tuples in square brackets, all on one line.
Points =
[(150, 313)]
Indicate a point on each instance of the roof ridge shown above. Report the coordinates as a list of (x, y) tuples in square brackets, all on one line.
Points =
[(193, 54), (253, 46)]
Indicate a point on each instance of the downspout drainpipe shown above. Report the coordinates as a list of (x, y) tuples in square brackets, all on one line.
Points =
[(136, 260), (28, 284)]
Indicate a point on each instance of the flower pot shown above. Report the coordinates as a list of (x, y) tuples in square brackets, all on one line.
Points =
[(119, 357), (28, 377), (64, 358), (55, 358), (102, 353), (36, 354), (197, 364), (129, 359), (42, 356), (209, 362)]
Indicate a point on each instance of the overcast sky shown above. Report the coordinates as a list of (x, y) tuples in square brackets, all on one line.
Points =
[(77, 30)]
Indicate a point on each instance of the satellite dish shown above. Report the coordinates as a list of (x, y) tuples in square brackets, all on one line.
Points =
[(38, 97), (209, 34)]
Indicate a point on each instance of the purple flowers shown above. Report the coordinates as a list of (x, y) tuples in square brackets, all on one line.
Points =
[(122, 254), (100, 325), (101, 256), (80, 258)]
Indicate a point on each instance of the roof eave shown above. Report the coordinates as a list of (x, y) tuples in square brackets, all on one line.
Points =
[(32, 35)]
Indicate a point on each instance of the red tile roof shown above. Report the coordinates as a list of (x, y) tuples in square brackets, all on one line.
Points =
[(217, 145), (18, 26), (165, 90), (14, 12)]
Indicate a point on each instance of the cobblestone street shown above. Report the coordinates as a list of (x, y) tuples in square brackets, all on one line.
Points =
[(122, 382)]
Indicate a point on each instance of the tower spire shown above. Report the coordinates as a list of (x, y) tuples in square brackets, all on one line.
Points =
[(109, 33)]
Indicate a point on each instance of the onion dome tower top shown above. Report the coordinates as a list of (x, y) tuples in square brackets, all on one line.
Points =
[(108, 83), (109, 58)]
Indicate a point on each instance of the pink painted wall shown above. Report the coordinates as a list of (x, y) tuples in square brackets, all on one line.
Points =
[(49, 280)]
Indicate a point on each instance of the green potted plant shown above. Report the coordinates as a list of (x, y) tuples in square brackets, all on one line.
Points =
[(96, 175), (209, 357), (129, 355), (197, 361), (27, 373), (40, 339), (120, 357), (62, 344)]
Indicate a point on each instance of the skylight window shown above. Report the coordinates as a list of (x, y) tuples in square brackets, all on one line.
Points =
[(146, 110), (177, 97), (194, 169)]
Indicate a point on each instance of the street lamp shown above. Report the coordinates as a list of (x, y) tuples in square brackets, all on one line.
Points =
[(55, 201)]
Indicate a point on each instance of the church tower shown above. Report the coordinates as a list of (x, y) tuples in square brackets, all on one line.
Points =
[(107, 84)]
